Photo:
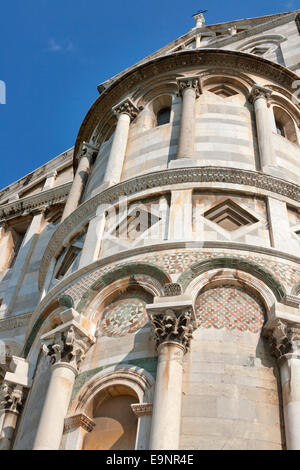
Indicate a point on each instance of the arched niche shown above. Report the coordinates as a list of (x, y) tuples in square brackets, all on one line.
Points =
[(230, 352), (115, 422), (118, 403)]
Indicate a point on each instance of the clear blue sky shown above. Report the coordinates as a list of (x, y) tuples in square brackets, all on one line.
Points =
[(55, 52)]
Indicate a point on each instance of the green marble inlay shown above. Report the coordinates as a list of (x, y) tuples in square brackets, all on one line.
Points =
[(233, 262), (147, 363)]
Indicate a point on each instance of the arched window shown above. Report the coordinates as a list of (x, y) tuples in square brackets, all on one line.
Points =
[(163, 116), (284, 124), (162, 110)]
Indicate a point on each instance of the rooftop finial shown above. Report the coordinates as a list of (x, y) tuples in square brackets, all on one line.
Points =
[(199, 18)]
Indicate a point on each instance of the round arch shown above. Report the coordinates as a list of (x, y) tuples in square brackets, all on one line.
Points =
[(115, 381), (160, 278), (241, 279), (236, 264)]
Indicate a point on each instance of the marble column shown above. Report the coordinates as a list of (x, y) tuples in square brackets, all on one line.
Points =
[(172, 322), (66, 347), (190, 90), (285, 344), (259, 97), (126, 112), (92, 243), (87, 155), (11, 396)]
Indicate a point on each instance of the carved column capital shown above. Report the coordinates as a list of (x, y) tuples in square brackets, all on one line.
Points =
[(88, 150), (67, 344), (259, 92), (172, 323), (126, 107), (142, 409), (284, 339), (11, 396), (191, 82)]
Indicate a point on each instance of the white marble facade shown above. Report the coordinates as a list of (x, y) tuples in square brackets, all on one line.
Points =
[(150, 275)]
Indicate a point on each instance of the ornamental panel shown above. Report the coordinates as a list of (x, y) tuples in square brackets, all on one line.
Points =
[(230, 307)]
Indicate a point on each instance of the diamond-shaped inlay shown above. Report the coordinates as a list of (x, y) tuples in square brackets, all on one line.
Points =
[(230, 216), (230, 307), (223, 90), (259, 50)]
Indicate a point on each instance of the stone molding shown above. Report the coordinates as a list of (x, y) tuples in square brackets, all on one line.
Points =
[(79, 278), (35, 202), (249, 63), (15, 322), (126, 107), (80, 420), (172, 323), (87, 210), (66, 344), (259, 92), (284, 339), (11, 396), (142, 409), (190, 82)]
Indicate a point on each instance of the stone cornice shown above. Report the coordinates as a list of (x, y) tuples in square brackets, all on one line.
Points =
[(201, 58), (87, 210), (56, 164), (273, 23), (36, 201)]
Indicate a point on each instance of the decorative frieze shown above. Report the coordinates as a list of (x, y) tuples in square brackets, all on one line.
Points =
[(126, 107), (11, 397), (173, 325), (259, 92), (37, 201), (80, 420), (142, 409), (159, 179), (191, 82), (284, 339)]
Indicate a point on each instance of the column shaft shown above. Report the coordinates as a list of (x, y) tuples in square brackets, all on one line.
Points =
[(264, 133), (51, 425), (165, 431), (8, 428), (259, 97), (78, 184), (118, 151), (187, 124), (290, 383)]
